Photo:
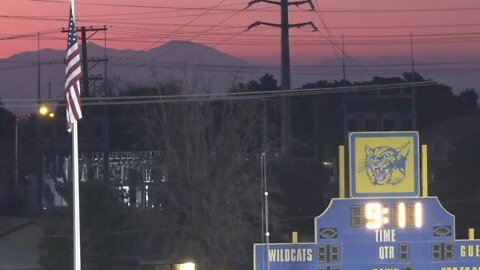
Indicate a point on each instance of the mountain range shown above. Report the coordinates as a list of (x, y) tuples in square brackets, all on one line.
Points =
[(198, 67)]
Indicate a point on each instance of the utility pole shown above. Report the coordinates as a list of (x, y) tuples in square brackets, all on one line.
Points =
[(344, 84), (414, 98), (286, 116), (105, 122), (344, 75), (86, 79), (85, 68)]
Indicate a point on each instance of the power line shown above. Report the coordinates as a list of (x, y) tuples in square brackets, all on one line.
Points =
[(416, 10), (127, 21), (132, 100), (34, 34), (336, 46), (146, 6), (149, 32), (213, 39), (198, 34), (254, 68), (413, 10), (178, 28)]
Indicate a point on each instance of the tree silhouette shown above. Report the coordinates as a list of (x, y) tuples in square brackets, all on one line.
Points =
[(212, 191)]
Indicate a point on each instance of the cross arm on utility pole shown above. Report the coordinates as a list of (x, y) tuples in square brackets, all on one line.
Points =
[(297, 25), (265, 1), (298, 3), (258, 23), (91, 28)]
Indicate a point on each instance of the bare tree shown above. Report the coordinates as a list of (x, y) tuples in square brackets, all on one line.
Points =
[(213, 194)]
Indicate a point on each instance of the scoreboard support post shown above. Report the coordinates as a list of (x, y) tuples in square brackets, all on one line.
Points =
[(341, 172), (471, 234), (424, 171)]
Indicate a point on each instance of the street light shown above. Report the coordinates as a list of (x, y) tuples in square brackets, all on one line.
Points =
[(185, 266), (44, 110)]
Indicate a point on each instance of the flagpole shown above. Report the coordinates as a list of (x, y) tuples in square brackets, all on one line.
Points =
[(76, 192), (76, 199)]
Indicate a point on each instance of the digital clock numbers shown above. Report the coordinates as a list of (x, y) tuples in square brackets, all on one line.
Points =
[(375, 215)]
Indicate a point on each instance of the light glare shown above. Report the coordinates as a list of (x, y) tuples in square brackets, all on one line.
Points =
[(373, 215), (43, 110), (418, 215), (401, 215), (185, 266)]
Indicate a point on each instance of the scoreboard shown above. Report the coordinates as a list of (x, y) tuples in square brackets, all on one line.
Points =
[(377, 233)]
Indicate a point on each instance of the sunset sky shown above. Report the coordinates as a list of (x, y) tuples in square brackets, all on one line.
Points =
[(377, 39), (370, 27)]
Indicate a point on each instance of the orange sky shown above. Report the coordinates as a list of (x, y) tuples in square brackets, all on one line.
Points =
[(142, 24)]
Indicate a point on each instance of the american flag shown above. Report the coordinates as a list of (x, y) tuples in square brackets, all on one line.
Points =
[(74, 74)]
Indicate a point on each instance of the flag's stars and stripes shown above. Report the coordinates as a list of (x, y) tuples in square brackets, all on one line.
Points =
[(73, 74)]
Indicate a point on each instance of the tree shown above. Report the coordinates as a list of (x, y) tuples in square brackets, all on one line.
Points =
[(104, 222), (9, 201), (458, 182), (468, 102), (212, 191)]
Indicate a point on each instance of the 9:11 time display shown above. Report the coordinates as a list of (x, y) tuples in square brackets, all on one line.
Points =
[(375, 215)]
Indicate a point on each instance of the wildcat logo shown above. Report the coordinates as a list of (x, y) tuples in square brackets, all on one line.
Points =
[(385, 165)]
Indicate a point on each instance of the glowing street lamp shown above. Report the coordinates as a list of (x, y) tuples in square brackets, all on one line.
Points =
[(185, 266), (46, 112), (43, 110)]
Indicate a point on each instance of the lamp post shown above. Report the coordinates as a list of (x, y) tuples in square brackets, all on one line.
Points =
[(45, 112)]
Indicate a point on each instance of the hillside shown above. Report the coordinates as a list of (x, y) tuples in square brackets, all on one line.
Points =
[(198, 67)]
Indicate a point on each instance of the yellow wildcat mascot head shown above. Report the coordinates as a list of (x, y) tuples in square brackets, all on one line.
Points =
[(385, 165)]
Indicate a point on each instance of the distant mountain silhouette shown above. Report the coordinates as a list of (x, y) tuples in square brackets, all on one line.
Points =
[(202, 69), (198, 67)]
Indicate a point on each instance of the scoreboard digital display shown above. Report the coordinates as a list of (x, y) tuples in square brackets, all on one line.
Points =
[(375, 215), (377, 234)]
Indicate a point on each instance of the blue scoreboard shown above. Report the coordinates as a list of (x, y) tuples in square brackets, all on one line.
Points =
[(378, 232)]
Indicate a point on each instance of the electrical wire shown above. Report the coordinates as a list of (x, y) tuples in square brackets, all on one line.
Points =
[(177, 29), (197, 35), (336, 46), (137, 100), (414, 10)]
